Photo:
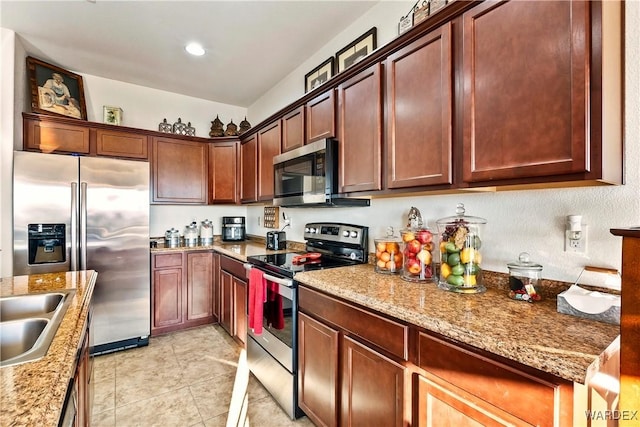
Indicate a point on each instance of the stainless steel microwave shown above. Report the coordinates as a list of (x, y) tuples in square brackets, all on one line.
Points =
[(308, 177)]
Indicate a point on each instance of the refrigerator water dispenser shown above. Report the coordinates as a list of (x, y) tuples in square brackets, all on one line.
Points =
[(46, 243)]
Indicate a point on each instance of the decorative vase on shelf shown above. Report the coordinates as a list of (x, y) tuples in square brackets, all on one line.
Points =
[(217, 128)]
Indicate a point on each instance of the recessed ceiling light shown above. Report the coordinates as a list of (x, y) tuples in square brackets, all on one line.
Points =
[(195, 49)]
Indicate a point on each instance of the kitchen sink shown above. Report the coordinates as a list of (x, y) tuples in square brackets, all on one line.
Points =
[(25, 306), (28, 324)]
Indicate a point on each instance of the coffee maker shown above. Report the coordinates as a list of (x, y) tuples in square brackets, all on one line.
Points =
[(233, 228)]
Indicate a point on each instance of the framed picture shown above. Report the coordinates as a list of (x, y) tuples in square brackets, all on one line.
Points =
[(112, 115), (55, 90), (318, 75), (357, 50)]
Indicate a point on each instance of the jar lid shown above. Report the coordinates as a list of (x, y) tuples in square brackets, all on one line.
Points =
[(461, 217), (524, 263), (390, 235)]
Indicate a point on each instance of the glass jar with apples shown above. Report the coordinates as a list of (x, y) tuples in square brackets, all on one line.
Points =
[(388, 254), (460, 252), (417, 250)]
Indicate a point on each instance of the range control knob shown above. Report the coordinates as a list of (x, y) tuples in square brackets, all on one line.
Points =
[(345, 233), (354, 234), (306, 229)]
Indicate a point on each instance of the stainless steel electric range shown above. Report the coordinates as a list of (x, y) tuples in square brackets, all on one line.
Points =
[(272, 353)]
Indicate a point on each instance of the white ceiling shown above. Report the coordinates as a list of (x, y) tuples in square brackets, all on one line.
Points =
[(250, 45)]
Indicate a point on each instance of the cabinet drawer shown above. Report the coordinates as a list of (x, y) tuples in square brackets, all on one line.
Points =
[(384, 333), (520, 389), (121, 144), (167, 260), (48, 137), (232, 266)]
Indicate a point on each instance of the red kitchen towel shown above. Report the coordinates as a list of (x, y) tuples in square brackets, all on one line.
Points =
[(275, 313), (257, 294)]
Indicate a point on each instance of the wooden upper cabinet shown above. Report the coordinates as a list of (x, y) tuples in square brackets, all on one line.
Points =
[(54, 135), (293, 129), (249, 169), (418, 141), (223, 172), (121, 144), (269, 145), (525, 77), (179, 171), (321, 116), (360, 131)]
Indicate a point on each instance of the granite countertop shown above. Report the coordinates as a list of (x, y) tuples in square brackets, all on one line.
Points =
[(239, 250), (535, 334), (33, 393)]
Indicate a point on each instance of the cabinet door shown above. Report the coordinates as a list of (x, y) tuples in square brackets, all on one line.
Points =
[(269, 145), (321, 116), (215, 303), (52, 136), (293, 129), (167, 297), (179, 171), (418, 139), (525, 100), (439, 401), (121, 144), (365, 374), (226, 301), (249, 164), (199, 289), (223, 172), (360, 136), (240, 310), (318, 386)]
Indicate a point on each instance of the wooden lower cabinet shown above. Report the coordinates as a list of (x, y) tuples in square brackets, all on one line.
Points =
[(233, 298), (372, 387), (83, 380), (182, 291), (341, 380), (199, 286), (470, 388), (441, 403), (318, 371)]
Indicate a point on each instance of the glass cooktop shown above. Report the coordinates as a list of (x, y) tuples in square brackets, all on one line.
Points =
[(283, 263)]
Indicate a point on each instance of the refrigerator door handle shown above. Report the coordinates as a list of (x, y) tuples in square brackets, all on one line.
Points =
[(74, 226), (83, 226)]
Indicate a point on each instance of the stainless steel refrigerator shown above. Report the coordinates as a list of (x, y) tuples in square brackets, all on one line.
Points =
[(88, 213)]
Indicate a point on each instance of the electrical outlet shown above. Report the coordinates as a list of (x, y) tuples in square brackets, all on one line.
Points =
[(576, 246)]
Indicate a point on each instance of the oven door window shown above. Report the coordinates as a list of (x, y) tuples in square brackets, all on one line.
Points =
[(301, 177), (278, 313)]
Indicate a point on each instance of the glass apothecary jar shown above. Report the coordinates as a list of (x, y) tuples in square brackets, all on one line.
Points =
[(417, 250), (461, 252), (524, 275), (388, 255)]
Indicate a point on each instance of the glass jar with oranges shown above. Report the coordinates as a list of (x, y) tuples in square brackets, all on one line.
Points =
[(388, 255)]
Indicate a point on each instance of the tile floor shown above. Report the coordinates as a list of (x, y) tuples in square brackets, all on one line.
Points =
[(185, 378)]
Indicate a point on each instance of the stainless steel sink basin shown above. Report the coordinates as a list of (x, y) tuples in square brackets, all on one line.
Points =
[(25, 306), (20, 336), (28, 324)]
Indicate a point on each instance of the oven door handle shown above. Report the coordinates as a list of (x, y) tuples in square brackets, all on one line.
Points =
[(284, 282)]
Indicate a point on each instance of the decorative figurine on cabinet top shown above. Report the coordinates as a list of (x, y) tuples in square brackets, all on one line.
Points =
[(217, 128), (179, 128), (244, 126), (191, 131), (165, 127), (232, 129)]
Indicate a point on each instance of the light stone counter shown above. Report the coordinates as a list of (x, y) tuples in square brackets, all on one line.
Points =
[(32, 393), (535, 334), (239, 251)]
